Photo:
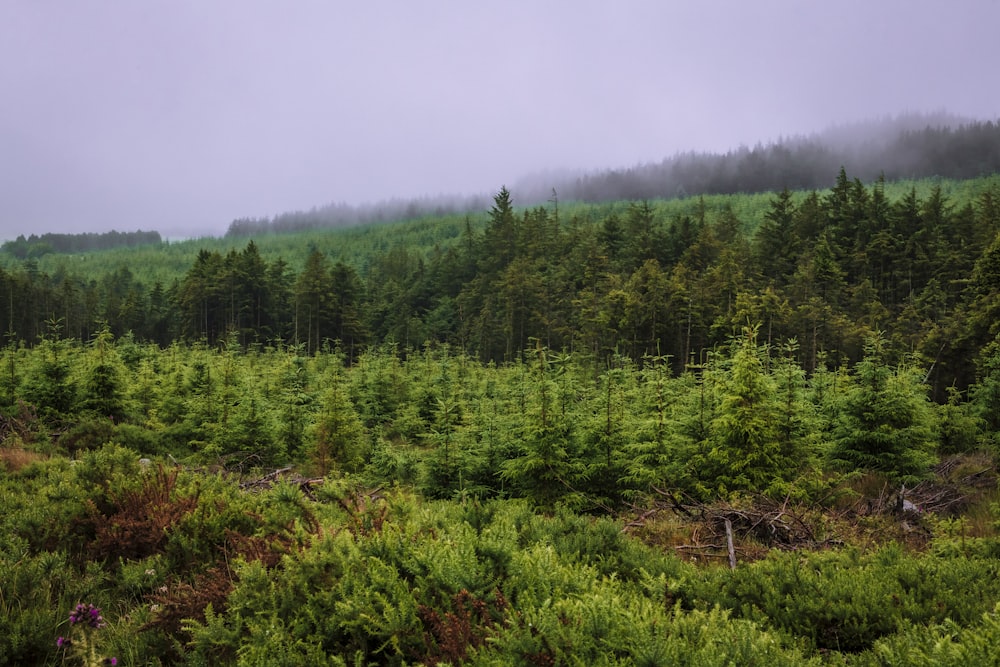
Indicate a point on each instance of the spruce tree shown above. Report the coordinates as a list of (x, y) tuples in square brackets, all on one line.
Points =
[(103, 390), (747, 451), (886, 421), (337, 437)]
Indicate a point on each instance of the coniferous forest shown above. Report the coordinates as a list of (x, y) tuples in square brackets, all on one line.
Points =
[(719, 429)]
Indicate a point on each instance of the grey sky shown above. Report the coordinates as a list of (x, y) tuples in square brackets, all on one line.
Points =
[(181, 115)]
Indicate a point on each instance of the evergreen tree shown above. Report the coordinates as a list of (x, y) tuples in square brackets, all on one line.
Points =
[(747, 451), (645, 317), (337, 437), (500, 242), (985, 393), (547, 469), (201, 299), (49, 386), (885, 421), (103, 390), (313, 300), (295, 400), (960, 428), (776, 246), (345, 308)]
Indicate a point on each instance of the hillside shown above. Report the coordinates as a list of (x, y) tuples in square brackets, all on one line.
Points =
[(712, 430), (657, 277), (909, 146)]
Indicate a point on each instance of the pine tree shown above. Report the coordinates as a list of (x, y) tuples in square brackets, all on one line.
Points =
[(546, 469), (313, 299), (747, 450), (501, 240), (338, 440), (886, 421), (49, 386), (776, 246), (103, 391), (985, 393)]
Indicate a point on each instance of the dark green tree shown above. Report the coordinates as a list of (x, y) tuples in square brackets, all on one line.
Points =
[(776, 245), (501, 240), (201, 299), (313, 301), (103, 388)]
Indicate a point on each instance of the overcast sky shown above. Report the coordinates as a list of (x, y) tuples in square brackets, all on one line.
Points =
[(181, 115)]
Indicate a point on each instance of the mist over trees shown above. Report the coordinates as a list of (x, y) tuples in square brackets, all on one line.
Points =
[(345, 215), (903, 148), (907, 146), (825, 268)]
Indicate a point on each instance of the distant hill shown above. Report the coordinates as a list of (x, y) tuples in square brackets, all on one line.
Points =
[(906, 147), (35, 246), (909, 146), (345, 215)]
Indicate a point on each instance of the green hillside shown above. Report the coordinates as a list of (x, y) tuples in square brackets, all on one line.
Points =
[(730, 429), (164, 261), (667, 277)]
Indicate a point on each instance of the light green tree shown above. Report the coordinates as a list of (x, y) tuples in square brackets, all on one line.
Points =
[(886, 421), (337, 439)]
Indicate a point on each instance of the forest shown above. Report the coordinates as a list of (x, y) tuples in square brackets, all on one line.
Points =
[(913, 260), (38, 246), (722, 429), (905, 147)]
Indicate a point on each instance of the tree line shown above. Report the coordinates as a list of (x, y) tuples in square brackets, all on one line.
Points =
[(827, 269), (35, 246), (907, 147), (901, 149)]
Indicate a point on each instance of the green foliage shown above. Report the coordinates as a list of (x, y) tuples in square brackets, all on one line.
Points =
[(959, 428), (985, 393), (885, 422), (613, 374), (237, 577), (664, 277), (102, 391), (37, 591), (338, 437), (745, 449), (49, 386), (737, 427), (846, 602), (947, 643)]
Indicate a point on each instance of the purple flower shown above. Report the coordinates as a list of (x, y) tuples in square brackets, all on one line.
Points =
[(87, 613), (111, 661), (62, 641)]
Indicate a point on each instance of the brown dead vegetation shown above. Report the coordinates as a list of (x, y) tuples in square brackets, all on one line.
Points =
[(14, 459), (866, 512), (140, 518)]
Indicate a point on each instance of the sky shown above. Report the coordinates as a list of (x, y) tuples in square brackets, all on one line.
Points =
[(182, 115)]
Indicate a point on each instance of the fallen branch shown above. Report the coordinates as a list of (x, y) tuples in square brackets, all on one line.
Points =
[(305, 484)]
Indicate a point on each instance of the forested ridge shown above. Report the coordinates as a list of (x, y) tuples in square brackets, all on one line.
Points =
[(35, 246), (646, 278), (913, 146), (721, 430), (905, 147)]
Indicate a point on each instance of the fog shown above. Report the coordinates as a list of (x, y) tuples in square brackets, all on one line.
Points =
[(183, 116)]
